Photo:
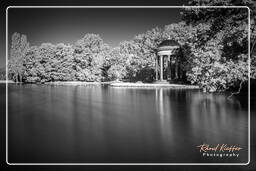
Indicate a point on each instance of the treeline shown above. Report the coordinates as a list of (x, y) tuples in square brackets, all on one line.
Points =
[(214, 52)]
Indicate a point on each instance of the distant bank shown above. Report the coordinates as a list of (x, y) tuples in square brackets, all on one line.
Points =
[(118, 84), (4, 81)]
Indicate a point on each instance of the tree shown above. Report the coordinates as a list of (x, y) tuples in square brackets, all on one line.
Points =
[(61, 67), (49, 63), (140, 53), (19, 47), (189, 39), (224, 45), (41, 63), (116, 65), (32, 65), (89, 54), (222, 19), (83, 61)]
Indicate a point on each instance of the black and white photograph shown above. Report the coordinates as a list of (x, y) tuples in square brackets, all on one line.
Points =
[(129, 84)]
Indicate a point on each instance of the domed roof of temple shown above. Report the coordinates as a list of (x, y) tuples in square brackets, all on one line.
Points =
[(168, 45)]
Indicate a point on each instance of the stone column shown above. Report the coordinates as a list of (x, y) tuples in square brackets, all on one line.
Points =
[(176, 69), (180, 72), (161, 68), (157, 67), (170, 66)]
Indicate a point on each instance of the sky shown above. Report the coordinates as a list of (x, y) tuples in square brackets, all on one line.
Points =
[(67, 25)]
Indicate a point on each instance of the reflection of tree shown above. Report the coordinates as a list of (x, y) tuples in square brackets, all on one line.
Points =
[(194, 117), (217, 119), (87, 114)]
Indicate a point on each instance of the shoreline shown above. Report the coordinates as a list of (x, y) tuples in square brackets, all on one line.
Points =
[(74, 83), (126, 84), (8, 81), (113, 84), (155, 85)]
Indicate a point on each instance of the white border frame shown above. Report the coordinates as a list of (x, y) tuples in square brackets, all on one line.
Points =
[(249, 61)]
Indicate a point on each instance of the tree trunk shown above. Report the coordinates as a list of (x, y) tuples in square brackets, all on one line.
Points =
[(252, 48), (240, 87), (20, 77)]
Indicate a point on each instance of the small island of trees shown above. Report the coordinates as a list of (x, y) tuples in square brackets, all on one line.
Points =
[(214, 43)]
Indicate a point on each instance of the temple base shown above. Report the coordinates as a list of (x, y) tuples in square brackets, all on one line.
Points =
[(161, 82)]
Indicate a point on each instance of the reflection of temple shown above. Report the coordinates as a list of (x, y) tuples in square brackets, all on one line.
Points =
[(163, 108), (168, 62)]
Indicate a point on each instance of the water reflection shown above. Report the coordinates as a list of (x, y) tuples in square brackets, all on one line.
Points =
[(217, 114), (106, 124), (196, 118), (165, 113)]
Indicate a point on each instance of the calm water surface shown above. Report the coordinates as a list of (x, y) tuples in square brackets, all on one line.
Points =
[(107, 124)]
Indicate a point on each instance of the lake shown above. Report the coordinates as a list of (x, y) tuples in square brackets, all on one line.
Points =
[(103, 124)]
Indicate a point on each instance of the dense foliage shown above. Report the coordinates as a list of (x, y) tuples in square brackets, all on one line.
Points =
[(221, 60), (214, 51), (82, 61)]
